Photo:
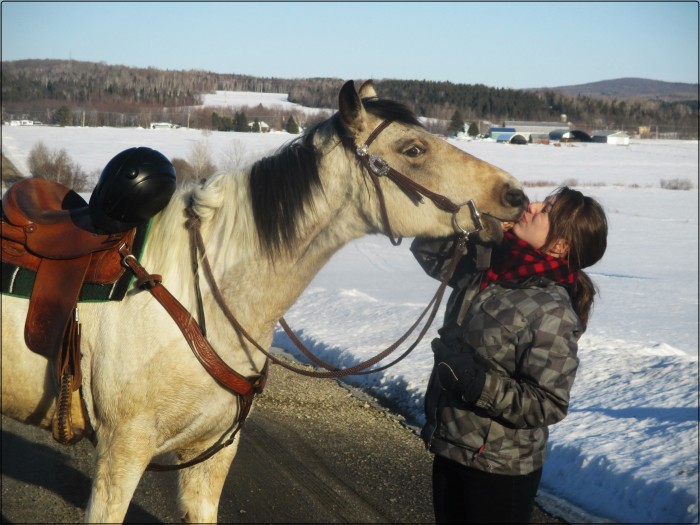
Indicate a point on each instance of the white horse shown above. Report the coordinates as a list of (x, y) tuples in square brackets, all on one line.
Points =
[(268, 230)]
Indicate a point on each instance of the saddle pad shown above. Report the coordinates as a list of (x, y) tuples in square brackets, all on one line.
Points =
[(19, 281)]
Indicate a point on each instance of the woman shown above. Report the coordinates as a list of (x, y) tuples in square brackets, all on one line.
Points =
[(506, 357)]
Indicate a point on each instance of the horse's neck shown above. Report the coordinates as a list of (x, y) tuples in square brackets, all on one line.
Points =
[(258, 287), (274, 281)]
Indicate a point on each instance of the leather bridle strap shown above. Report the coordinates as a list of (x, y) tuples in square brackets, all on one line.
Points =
[(378, 167), (246, 405), (227, 377), (207, 356)]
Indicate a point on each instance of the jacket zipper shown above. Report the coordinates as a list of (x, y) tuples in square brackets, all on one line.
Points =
[(483, 445)]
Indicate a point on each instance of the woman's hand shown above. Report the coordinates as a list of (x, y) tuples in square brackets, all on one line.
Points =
[(458, 372)]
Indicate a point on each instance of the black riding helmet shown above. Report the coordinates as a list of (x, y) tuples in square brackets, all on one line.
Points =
[(134, 186)]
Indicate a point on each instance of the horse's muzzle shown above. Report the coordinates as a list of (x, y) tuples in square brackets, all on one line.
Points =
[(516, 198)]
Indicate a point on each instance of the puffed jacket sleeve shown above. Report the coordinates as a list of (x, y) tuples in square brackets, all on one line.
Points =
[(537, 393), (435, 256)]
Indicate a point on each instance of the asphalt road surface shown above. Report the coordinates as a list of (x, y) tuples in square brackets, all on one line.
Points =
[(311, 452)]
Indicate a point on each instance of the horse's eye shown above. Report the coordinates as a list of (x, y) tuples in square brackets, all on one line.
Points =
[(414, 151)]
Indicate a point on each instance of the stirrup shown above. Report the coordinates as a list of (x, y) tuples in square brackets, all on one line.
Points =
[(68, 423)]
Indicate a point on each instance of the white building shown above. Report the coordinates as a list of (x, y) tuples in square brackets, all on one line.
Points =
[(611, 137), (163, 125)]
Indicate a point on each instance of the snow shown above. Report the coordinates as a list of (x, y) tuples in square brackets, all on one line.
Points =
[(276, 101), (628, 450)]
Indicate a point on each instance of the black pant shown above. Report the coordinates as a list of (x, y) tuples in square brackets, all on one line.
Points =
[(465, 495)]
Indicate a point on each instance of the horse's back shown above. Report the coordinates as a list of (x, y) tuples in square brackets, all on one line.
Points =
[(27, 393)]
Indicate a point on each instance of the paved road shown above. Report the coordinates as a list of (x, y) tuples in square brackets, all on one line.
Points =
[(310, 453)]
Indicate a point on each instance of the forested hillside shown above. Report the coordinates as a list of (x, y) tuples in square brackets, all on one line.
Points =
[(69, 92)]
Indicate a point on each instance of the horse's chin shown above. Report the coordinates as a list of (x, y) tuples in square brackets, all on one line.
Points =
[(492, 232)]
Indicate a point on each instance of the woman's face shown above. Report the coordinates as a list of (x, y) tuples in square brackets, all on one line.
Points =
[(533, 226)]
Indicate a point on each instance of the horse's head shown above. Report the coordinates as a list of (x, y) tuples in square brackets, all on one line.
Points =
[(409, 163)]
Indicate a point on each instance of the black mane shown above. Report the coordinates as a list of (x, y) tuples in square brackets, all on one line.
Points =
[(282, 185)]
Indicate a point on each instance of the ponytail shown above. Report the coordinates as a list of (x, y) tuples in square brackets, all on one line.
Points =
[(581, 221), (582, 294)]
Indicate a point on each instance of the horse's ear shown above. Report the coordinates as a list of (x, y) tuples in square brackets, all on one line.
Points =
[(352, 112), (367, 90)]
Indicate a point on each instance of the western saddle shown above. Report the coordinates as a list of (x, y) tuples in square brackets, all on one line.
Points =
[(47, 228)]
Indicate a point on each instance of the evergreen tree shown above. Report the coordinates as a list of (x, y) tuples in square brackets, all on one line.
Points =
[(241, 122), (221, 123), (456, 123), (473, 130), (291, 126), (63, 116), (256, 126)]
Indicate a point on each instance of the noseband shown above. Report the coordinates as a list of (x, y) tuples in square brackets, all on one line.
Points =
[(378, 167)]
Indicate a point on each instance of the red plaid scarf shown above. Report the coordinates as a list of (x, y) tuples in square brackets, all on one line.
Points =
[(515, 259)]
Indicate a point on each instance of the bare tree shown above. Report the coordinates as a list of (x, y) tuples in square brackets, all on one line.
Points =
[(233, 156), (200, 160), (57, 166)]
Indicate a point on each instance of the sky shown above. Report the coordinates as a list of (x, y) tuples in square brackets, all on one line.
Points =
[(499, 44)]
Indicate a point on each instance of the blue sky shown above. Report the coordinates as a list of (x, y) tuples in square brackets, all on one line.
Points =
[(500, 44)]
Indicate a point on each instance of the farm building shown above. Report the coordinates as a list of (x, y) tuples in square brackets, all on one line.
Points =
[(24, 122), (567, 135), (534, 131), (496, 132), (539, 128), (263, 127), (513, 138), (515, 131), (611, 137), (163, 125)]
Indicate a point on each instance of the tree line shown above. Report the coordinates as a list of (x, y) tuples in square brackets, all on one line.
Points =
[(69, 92)]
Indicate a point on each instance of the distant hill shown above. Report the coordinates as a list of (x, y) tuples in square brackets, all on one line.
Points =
[(68, 92), (632, 88)]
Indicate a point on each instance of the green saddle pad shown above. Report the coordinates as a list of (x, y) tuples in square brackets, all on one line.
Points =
[(19, 281)]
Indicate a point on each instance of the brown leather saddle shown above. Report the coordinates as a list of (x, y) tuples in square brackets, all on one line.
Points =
[(47, 228)]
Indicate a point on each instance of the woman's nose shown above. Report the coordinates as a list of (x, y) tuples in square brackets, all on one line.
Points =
[(535, 207)]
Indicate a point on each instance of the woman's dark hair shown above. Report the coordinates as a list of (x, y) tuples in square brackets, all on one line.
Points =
[(581, 221)]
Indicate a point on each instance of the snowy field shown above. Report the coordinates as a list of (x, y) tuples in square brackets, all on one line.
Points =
[(276, 101), (628, 450)]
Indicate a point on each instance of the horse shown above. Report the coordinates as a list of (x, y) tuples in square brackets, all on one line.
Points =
[(267, 230)]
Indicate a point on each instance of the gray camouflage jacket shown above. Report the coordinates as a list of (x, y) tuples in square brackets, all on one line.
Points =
[(525, 337)]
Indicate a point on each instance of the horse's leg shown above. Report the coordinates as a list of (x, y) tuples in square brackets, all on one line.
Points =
[(200, 486), (122, 456)]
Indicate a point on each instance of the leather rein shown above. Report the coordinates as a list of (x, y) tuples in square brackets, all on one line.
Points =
[(246, 388)]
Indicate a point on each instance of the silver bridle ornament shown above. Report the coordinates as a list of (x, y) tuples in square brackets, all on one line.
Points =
[(476, 217)]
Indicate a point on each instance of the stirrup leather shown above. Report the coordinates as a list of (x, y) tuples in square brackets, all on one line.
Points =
[(68, 423)]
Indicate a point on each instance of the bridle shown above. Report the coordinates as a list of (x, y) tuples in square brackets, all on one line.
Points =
[(245, 388), (378, 167)]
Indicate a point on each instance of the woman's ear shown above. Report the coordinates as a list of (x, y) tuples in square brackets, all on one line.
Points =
[(559, 248)]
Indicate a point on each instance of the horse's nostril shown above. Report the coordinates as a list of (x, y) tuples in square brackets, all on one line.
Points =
[(516, 197)]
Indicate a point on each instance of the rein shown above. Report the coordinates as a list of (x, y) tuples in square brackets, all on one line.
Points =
[(197, 243)]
